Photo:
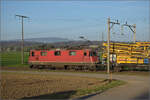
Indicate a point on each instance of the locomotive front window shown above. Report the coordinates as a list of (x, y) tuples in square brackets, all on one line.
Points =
[(92, 53), (72, 53), (57, 53), (32, 53), (43, 53)]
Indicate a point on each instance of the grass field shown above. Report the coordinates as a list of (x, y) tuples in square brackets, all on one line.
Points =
[(13, 58), (132, 73), (38, 86)]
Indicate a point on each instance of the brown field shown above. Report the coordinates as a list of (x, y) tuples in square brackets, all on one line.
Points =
[(32, 86)]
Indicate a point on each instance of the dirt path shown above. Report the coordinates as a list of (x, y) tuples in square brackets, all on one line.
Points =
[(137, 87)]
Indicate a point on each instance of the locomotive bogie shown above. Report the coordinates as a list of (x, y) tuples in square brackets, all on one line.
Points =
[(66, 66)]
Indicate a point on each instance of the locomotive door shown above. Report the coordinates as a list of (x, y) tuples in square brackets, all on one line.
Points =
[(85, 57), (34, 56)]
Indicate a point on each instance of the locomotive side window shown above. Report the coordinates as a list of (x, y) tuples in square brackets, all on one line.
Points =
[(43, 53), (32, 53), (85, 54), (72, 53), (57, 53)]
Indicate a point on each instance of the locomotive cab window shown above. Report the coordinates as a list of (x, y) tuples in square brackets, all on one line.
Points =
[(92, 53), (43, 53), (57, 53), (32, 53), (72, 53)]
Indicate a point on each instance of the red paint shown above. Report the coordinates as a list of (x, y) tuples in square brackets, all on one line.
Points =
[(64, 57)]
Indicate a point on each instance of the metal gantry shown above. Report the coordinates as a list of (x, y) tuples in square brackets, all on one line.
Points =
[(133, 29)]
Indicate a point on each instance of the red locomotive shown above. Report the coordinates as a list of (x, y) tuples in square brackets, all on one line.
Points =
[(67, 59)]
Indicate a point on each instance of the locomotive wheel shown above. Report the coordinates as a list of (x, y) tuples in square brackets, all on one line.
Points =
[(85, 68), (76, 67), (117, 69), (53, 68), (40, 67), (31, 66), (80, 67), (65, 67), (92, 68)]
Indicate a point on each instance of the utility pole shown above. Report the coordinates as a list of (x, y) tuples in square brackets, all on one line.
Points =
[(102, 37), (108, 42), (22, 44), (133, 29)]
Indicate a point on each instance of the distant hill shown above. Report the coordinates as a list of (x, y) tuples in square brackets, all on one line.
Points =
[(32, 41), (47, 40), (17, 43), (77, 43), (35, 43)]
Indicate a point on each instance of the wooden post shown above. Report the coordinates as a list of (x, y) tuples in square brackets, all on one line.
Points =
[(22, 48), (108, 47)]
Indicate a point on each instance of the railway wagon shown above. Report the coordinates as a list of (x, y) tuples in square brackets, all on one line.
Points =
[(67, 59)]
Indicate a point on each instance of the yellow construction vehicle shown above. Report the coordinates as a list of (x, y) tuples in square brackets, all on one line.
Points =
[(124, 54)]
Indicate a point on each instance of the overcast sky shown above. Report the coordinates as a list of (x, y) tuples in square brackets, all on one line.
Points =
[(71, 19)]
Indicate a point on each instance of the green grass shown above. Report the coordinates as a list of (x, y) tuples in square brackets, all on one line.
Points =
[(99, 89), (132, 73), (13, 59)]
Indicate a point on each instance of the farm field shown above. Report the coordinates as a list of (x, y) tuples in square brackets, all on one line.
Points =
[(32, 86)]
